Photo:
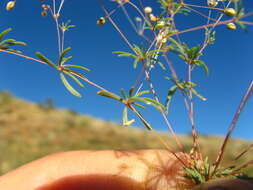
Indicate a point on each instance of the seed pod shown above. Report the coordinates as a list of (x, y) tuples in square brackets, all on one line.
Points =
[(101, 21), (44, 13), (10, 5), (212, 3), (231, 26), (147, 10), (230, 12)]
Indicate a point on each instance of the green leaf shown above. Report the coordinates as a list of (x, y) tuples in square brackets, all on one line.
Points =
[(182, 57), (141, 93), (202, 63), (129, 122), (2, 34), (138, 105), (126, 122), (161, 65), (66, 59), (150, 100), (68, 86), (123, 93), (74, 78), (124, 54), (147, 101), (197, 94), (109, 95), (60, 62), (78, 66), (131, 91), (46, 60), (179, 46), (18, 43), (243, 26), (13, 50), (194, 175), (171, 92), (136, 62), (125, 117), (6, 41), (134, 98)]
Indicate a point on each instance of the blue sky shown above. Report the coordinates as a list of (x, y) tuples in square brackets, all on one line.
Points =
[(229, 61)]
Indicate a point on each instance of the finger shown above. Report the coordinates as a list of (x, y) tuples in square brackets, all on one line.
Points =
[(226, 184), (121, 170)]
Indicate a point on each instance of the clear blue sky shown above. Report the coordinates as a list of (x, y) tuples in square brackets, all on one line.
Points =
[(229, 61)]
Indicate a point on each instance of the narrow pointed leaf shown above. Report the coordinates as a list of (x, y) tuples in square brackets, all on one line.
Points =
[(153, 101), (197, 94), (123, 93), (136, 62), (138, 105), (46, 60), (134, 98), (131, 91), (125, 116), (161, 65), (13, 50), (18, 43), (75, 79), (202, 63), (129, 122), (171, 92), (62, 55), (109, 95), (179, 46), (68, 86), (6, 41), (77, 66), (141, 93), (2, 34), (66, 59)]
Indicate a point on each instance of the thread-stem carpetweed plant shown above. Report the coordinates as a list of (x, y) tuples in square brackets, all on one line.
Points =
[(161, 38)]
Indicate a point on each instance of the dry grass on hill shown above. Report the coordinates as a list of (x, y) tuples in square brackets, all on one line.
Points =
[(29, 131)]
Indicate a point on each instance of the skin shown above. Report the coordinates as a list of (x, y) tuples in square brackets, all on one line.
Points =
[(97, 170)]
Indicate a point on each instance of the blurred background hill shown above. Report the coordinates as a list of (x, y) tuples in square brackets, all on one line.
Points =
[(29, 131)]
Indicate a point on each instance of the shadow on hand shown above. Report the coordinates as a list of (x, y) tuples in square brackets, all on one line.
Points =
[(94, 182)]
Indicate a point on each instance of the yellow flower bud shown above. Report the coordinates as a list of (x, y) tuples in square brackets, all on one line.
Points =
[(231, 26), (45, 7), (230, 12), (153, 18), (10, 5)]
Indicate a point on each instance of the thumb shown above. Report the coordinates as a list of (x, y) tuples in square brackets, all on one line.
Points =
[(93, 170)]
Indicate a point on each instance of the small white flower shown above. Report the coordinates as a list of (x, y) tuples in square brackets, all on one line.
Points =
[(147, 10), (160, 24), (161, 38)]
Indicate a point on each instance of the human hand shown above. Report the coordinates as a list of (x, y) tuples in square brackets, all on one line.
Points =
[(103, 170)]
